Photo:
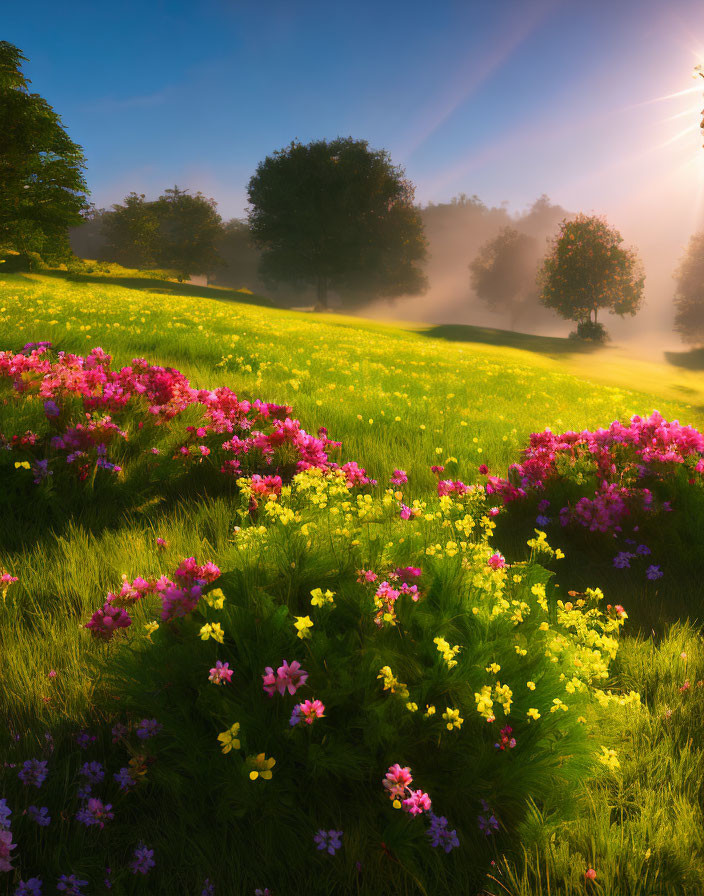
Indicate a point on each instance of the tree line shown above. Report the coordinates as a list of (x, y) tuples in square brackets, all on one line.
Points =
[(335, 216)]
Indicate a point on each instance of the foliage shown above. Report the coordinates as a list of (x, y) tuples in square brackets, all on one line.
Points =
[(586, 270), (42, 188), (689, 294), (177, 231), (337, 215), (591, 331), (503, 273)]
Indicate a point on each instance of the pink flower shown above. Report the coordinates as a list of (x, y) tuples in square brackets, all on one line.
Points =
[(396, 780), (406, 512), (106, 622), (307, 712), (417, 803), (269, 680), (161, 544), (6, 845), (497, 561), (400, 477), (290, 677), (483, 469), (220, 673), (590, 874)]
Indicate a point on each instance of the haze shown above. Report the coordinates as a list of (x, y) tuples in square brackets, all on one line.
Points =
[(592, 104)]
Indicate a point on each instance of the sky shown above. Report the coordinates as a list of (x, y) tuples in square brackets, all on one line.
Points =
[(592, 103)]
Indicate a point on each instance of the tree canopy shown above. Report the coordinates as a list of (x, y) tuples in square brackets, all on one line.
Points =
[(587, 269), (177, 232), (338, 216), (42, 188), (503, 272), (689, 293)]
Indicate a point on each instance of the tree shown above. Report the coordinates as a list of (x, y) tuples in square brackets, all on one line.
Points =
[(42, 189), (338, 216), (585, 270), (177, 232), (503, 273), (689, 294)]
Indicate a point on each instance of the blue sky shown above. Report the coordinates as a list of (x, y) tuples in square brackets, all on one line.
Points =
[(504, 98)]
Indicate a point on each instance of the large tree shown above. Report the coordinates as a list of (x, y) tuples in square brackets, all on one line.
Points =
[(42, 188), (503, 273), (689, 293), (587, 270), (177, 232), (337, 216)]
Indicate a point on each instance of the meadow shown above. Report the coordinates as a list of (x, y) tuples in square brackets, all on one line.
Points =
[(610, 802)]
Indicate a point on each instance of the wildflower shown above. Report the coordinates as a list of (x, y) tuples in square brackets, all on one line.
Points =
[(143, 860), (150, 628), (417, 803), (31, 887), (5, 813), (265, 892), (148, 728), (40, 816), (212, 630), (319, 599), (71, 885), (396, 781), (439, 835), (84, 739), (95, 812), (261, 767), (329, 840), (609, 758), (488, 823), (229, 739), (105, 623), (93, 772), (505, 739), (307, 712), (220, 673), (208, 888), (530, 685), (6, 846), (452, 717), (653, 572), (162, 543), (533, 713), (119, 732), (497, 561), (483, 469), (643, 550), (590, 874), (303, 625), (405, 513), (400, 477), (493, 667), (391, 683), (290, 677), (623, 559), (33, 771), (124, 778)]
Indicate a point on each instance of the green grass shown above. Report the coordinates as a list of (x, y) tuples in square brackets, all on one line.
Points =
[(406, 397)]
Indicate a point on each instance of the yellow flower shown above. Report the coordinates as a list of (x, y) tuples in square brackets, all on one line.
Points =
[(493, 667), (452, 717), (261, 767), (229, 739), (429, 711), (412, 707), (215, 598), (318, 599), (533, 714), (212, 630), (303, 625), (150, 628), (24, 464), (530, 685), (609, 758)]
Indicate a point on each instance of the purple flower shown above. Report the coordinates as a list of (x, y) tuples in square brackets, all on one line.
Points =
[(71, 885), (329, 840), (95, 812), (488, 823), (208, 888), (124, 778), (33, 771), (51, 408), (119, 731), (84, 739), (653, 573), (643, 550), (542, 520), (40, 816), (41, 471), (93, 772), (143, 860), (148, 728), (5, 813), (439, 835), (623, 559), (31, 887)]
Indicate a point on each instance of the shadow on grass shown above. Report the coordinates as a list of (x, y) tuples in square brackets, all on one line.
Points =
[(691, 360), (547, 345), (165, 287)]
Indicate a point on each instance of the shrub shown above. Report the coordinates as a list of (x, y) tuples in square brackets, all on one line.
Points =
[(590, 331)]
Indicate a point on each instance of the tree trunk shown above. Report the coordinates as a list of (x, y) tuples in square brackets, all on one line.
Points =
[(322, 293)]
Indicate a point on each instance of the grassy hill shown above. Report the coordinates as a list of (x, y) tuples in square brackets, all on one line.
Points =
[(396, 397)]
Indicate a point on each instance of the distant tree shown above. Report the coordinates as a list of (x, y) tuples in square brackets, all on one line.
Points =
[(503, 273), (339, 216), (42, 189), (587, 270), (240, 256), (689, 294), (131, 233), (177, 232)]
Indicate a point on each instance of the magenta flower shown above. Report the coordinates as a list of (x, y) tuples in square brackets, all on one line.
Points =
[(220, 673), (397, 780), (269, 680), (406, 513), (400, 477), (106, 622), (307, 712), (497, 561), (417, 803), (6, 846), (291, 677)]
